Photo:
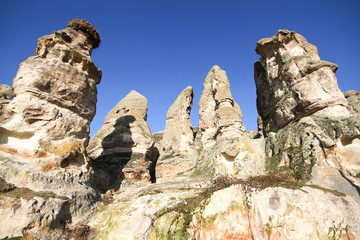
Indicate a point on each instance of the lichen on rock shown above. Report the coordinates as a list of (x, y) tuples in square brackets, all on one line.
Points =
[(292, 82)]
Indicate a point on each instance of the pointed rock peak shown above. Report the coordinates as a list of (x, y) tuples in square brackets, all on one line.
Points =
[(216, 68), (218, 111), (178, 138), (181, 108), (133, 104), (216, 73)]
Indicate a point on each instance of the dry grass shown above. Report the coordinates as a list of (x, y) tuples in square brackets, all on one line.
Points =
[(88, 29)]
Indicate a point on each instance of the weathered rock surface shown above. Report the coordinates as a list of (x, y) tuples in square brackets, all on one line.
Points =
[(300, 180), (43, 134), (220, 115), (292, 82), (6, 92), (217, 210), (353, 99), (42, 199), (177, 150), (55, 100), (122, 148)]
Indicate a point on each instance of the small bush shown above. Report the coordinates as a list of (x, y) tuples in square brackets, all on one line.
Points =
[(88, 29)]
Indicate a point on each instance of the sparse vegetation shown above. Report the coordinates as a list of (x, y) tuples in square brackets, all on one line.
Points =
[(10, 190), (88, 29)]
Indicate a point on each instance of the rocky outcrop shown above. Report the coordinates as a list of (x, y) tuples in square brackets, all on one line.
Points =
[(353, 99), (259, 208), (6, 92), (55, 100), (300, 179), (219, 114), (43, 134), (225, 149), (122, 148), (176, 149), (292, 82)]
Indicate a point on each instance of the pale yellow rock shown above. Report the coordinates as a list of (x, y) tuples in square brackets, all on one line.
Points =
[(292, 82), (220, 115), (177, 150), (55, 98)]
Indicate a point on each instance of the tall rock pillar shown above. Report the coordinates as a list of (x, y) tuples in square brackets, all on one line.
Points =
[(219, 114), (177, 150), (292, 82), (55, 97)]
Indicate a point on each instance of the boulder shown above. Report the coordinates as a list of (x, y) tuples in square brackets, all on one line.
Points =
[(122, 148), (220, 115), (292, 82), (55, 100), (6, 92), (176, 149)]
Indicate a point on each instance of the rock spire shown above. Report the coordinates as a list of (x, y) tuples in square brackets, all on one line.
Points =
[(55, 100), (292, 82), (121, 149), (219, 114), (177, 150)]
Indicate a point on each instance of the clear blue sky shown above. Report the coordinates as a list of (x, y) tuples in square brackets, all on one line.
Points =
[(158, 48)]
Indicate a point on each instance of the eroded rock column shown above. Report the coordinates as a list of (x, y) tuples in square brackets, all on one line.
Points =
[(292, 82), (121, 149), (220, 115), (55, 98), (177, 150)]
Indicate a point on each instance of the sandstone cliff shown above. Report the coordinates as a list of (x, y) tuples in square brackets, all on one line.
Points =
[(297, 178)]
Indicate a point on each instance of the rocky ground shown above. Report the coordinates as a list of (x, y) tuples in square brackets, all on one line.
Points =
[(297, 177)]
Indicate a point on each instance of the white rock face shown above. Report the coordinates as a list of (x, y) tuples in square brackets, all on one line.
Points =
[(177, 150), (292, 82), (55, 100), (123, 146), (220, 115), (235, 212)]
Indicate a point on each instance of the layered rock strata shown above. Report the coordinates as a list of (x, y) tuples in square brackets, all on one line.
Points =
[(177, 150), (43, 134), (55, 100), (122, 148), (292, 82), (219, 114), (225, 148)]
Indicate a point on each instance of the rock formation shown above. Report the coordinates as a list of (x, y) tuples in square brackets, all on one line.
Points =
[(219, 113), (225, 148), (43, 134), (122, 148), (6, 92), (177, 150), (298, 179), (292, 82), (55, 100), (353, 99)]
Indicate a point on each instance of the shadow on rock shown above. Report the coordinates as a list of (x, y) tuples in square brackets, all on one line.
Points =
[(116, 154)]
